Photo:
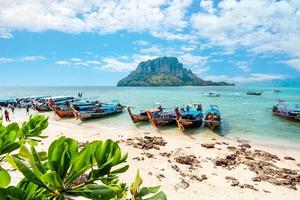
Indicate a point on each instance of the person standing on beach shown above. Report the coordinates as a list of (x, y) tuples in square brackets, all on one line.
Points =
[(27, 109), (6, 114), (12, 109)]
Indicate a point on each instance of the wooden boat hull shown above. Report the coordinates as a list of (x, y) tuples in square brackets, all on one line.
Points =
[(137, 118), (83, 116), (42, 108), (287, 116), (212, 124), (184, 124), (160, 121), (64, 113)]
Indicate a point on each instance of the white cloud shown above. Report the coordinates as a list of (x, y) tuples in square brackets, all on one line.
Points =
[(5, 60), (263, 26), (153, 49), (141, 43), (196, 63), (243, 65), (32, 58), (122, 64), (253, 77), (207, 5), (295, 63), (94, 15), (76, 59), (187, 48), (62, 62)]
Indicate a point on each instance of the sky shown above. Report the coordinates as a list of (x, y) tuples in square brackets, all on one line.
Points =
[(98, 42)]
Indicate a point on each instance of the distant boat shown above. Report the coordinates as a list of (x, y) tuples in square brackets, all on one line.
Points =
[(190, 118), (212, 94), (213, 118), (258, 93), (287, 111), (276, 91)]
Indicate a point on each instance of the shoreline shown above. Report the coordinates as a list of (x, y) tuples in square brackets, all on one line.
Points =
[(183, 166)]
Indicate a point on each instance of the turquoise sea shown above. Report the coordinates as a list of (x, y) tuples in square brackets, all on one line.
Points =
[(246, 117)]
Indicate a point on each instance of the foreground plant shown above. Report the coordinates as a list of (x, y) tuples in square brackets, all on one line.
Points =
[(12, 137), (66, 171)]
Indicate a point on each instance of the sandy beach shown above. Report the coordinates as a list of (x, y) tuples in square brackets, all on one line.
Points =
[(192, 167)]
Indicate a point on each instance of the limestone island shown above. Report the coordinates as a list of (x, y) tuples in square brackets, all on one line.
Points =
[(165, 71)]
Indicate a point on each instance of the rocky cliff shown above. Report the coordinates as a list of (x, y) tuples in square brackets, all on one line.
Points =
[(164, 71)]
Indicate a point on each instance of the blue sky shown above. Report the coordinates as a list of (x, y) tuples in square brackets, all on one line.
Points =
[(98, 42)]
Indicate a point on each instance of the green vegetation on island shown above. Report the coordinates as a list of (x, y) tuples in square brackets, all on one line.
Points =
[(165, 71)]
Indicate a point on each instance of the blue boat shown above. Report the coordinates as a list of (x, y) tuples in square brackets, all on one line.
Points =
[(213, 118), (192, 117), (8, 101), (100, 110)]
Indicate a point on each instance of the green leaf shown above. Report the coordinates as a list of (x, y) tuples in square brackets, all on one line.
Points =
[(134, 189), (120, 170), (10, 148), (93, 191), (4, 178), (53, 179), (81, 163), (61, 154), (29, 175), (158, 196), (148, 190)]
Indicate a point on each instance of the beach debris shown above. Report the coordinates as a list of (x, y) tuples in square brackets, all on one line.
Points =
[(150, 173), (148, 155), (188, 160), (138, 158), (234, 181), (266, 191), (231, 148), (263, 164), (248, 186), (208, 145), (248, 146), (176, 168), (288, 158), (146, 142), (160, 177), (82, 144), (184, 184), (165, 154), (195, 177), (256, 179), (228, 161)]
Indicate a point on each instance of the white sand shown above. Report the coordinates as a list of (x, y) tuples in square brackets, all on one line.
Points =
[(215, 187)]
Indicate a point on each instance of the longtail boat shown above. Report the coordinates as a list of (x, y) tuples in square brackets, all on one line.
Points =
[(213, 118), (42, 105), (190, 118), (136, 118), (161, 118), (212, 94), (254, 93), (287, 111), (64, 111), (97, 111)]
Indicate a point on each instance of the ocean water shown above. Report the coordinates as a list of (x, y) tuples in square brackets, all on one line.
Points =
[(246, 117)]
